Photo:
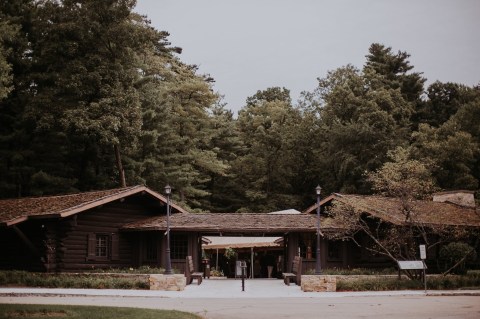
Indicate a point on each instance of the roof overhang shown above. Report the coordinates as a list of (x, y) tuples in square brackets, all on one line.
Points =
[(70, 211)]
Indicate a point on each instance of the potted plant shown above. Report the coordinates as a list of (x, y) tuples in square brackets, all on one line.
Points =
[(230, 253)]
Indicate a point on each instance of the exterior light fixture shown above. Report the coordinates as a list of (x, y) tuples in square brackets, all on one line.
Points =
[(318, 267), (168, 266)]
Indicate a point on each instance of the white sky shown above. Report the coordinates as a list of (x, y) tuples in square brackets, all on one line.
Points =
[(250, 45)]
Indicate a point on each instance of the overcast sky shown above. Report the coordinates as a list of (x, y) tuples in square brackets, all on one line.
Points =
[(250, 45)]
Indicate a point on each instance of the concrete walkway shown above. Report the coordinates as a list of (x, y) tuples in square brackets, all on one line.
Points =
[(229, 288), (265, 299)]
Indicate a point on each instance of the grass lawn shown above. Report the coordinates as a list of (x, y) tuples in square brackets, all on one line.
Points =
[(90, 312)]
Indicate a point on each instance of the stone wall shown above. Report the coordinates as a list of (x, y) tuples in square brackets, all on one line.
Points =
[(319, 283), (167, 282)]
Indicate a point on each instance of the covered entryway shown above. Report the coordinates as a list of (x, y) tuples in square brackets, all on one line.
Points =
[(264, 255)]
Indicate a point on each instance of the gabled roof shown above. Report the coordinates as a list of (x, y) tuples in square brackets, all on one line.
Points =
[(234, 222), (13, 211), (389, 210)]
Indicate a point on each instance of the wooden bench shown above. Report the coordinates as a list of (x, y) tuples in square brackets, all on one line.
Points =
[(296, 273), (190, 272)]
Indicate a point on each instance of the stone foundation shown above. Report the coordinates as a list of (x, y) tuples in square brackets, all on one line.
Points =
[(319, 283), (167, 282)]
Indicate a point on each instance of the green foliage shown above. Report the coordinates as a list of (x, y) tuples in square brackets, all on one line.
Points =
[(94, 281), (456, 253), (361, 119), (379, 283), (216, 273), (268, 125), (403, 177), (230, 253), (355, 271)]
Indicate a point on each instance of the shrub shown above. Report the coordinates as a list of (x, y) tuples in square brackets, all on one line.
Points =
[(355, 271), (96, 281), (469, 281), (453, 253)]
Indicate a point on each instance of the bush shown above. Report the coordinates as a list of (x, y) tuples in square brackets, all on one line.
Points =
[(95, 281), (355, 271), (452, 253), (469, 281)]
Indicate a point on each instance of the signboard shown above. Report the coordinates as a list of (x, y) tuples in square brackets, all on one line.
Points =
[(423, 252), (410, 264)]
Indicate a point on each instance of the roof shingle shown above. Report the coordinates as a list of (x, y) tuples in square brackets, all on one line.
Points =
[(390, 209), (234, 222), (17, 210)]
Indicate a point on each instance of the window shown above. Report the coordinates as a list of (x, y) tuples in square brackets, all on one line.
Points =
[(334, 250), (151, 248), (101, 246), (179, 246)]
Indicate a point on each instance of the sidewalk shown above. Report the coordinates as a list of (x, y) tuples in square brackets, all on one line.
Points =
[(230, 288)]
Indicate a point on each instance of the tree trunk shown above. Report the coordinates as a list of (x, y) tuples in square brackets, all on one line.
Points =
[(121, 172)]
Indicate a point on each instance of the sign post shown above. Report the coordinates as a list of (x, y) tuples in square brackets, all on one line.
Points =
[(423, 256)]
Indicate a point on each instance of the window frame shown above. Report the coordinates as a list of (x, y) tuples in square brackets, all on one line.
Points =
[(179, 246)]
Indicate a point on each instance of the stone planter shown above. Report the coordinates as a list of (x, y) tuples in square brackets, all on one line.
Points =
[(167, 282), (319, 283), (217, 278)]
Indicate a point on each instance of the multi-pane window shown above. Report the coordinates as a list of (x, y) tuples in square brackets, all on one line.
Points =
[(151, 248), (179, 246), (101, 247)]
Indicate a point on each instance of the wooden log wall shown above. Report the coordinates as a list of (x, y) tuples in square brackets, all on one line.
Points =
[(106, 220)]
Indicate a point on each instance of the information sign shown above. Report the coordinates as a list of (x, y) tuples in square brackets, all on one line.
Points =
[(423, 252), (410, 264)]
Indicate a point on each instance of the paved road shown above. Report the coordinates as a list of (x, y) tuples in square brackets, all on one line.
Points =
[(265, 299)]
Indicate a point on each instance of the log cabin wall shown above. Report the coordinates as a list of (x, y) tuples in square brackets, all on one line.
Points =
[(79, 235)]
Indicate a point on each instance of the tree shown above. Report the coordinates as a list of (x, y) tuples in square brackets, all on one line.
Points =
[(453, 155), (176, 138), (444, 100), (359, 122), (226, 142), (406, 180), (87, 56), (8, 32), (16, 132), (393, 70), (403, 177), (267, 125)]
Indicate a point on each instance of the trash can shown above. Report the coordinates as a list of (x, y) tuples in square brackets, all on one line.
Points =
[(206, 268)]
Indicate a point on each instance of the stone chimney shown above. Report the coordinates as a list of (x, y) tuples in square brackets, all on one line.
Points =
[(460, 197)]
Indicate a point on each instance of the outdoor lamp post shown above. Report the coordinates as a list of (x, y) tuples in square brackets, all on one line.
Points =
[(318, 267), (168, 266)]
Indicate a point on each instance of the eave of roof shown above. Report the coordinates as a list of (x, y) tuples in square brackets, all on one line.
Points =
[(14, 211)]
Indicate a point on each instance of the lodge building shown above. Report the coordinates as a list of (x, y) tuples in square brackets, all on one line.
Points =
[(126, 227)]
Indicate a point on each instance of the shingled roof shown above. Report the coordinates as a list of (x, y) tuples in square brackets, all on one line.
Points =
[(389, 209), (234, 222), (13, 211)]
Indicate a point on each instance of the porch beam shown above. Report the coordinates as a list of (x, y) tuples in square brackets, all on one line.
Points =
[(26, 241)]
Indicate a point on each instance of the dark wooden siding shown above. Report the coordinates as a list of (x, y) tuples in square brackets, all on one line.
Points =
[(106, 220)]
